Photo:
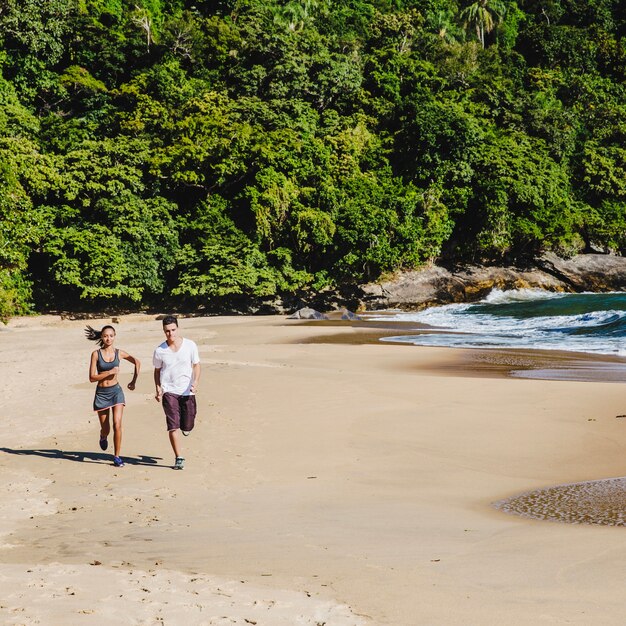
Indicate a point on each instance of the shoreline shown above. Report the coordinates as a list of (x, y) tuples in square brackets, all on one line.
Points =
[(325, 482), (532, 363), (480, 362)]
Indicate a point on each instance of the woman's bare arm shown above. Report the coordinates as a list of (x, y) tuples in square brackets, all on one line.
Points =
[(136, 362)]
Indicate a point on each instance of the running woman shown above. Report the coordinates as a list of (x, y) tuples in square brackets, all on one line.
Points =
[(103, 369)]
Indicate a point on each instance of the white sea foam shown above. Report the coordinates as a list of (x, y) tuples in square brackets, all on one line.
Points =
[(510, 319), (469, 340), (499, 296)]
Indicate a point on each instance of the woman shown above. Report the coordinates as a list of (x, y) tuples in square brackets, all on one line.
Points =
[(103, 369)]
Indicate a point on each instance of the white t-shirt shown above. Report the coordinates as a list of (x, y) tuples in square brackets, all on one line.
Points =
[(176, 367)]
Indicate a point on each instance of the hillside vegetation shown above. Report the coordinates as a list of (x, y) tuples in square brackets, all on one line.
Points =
[(216, 151)]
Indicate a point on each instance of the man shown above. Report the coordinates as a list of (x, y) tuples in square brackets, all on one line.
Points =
[(176, 374)]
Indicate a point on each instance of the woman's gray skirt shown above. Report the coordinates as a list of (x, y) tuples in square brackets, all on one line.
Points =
[(106, 397)]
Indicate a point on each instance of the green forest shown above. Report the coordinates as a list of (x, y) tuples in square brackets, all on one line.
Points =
[(222, 151)]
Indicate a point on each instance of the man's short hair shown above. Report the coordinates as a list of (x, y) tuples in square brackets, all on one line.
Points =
[(170, 319)]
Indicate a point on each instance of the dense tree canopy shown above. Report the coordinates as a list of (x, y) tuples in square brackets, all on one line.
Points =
[(245, 149)]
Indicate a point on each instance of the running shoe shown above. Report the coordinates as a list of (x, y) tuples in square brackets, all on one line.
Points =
[(186, 432), (180, 463), (117, 461), (104, 443)]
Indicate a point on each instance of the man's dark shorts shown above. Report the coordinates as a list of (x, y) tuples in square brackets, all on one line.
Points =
[(180, 411)]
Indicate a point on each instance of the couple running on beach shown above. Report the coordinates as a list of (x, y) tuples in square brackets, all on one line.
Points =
[(176, 374)]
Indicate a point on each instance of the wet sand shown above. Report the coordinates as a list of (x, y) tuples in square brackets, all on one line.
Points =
[(592, 502), (522, 363), (336, 482)]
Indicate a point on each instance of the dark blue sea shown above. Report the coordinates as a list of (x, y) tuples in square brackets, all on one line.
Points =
[(526, 318)]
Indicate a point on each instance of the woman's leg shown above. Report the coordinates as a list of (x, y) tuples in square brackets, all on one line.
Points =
[(118, 411), (105, 424)]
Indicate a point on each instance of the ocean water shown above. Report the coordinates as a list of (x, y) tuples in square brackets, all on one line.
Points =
[(525, 318)]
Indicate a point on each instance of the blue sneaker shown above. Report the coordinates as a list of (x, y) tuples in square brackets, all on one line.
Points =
[(104, 444), (117, 461)]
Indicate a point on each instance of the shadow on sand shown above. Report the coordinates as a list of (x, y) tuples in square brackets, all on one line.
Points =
[(87, 457)]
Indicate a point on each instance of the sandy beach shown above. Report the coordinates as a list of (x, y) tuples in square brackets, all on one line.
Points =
[(329, 481)]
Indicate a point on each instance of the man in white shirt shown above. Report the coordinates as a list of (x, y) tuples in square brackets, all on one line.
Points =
[(176, 374)]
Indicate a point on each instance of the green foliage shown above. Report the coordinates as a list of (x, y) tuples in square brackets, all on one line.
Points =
[(523, 199), (78, 78), (483, 16), (15, 295), (604, 226), (36, 28), (209, 142), (90, 260), (604, 171), (109, 238), (244, 149), (27, 179), (220, 260), (100, 8)]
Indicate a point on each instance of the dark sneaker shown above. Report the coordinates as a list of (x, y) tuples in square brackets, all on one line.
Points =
[(117, 461), (104, 444), (180, 463)]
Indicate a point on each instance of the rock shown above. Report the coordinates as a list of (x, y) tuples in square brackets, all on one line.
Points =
[(419, 288), (307, 314), (349, 315), (437, 285), (587, 272), (480, 281)]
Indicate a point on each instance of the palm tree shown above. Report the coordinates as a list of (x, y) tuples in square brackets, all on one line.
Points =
[(484, 15), (446, 26), (297, 13)]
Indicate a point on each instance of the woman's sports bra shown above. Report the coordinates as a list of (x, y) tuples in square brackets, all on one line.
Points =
[(105, 366)]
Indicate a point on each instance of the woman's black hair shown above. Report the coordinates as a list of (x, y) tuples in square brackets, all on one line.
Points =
[(96, 335)]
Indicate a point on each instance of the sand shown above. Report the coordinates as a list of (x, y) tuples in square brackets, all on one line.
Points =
[(327, 482)]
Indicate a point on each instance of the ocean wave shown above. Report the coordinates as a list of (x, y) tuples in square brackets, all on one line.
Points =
[(501, 296), (526, 318)]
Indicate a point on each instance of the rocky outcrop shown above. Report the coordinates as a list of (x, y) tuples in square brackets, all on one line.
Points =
[(307, 313), (437, 285), (349, 315), (587, 272)]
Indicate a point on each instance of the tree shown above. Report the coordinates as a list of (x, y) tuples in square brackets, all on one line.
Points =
[(523, 202), (220, 261), (109, 237), (483, 16)]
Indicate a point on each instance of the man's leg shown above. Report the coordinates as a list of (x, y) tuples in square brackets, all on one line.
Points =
[(187, 413), (171, 406), (175, 441)]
